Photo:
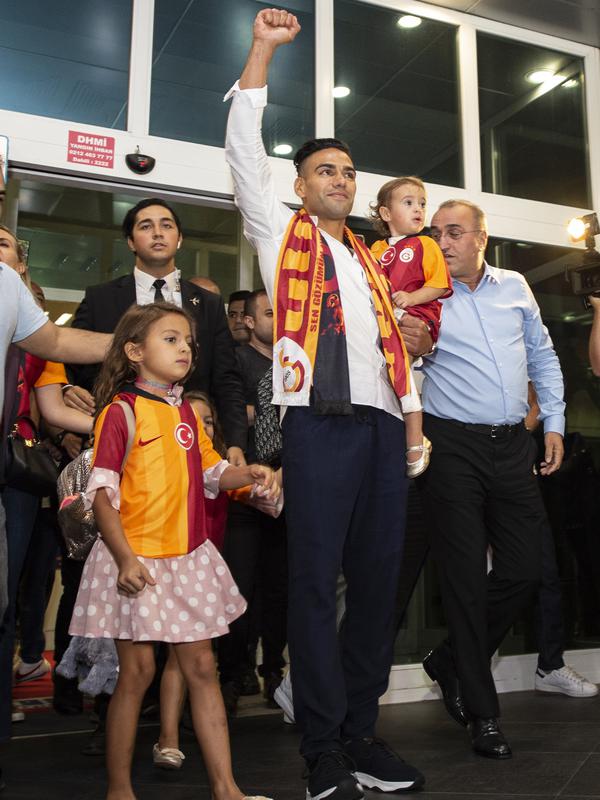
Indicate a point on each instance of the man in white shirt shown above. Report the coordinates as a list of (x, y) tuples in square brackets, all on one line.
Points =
[(344, 471)]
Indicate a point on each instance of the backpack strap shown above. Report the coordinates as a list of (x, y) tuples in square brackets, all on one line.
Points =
[(130, 420)]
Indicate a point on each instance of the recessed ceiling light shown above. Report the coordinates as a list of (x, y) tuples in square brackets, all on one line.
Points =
[(540, 76), (282, 149), (63, 319), (570, 83), (409, 21), (341, 91)]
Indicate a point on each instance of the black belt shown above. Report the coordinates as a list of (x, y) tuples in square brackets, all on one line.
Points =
[(493, 431)]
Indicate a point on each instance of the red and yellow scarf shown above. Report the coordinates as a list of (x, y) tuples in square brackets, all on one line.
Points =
[(299, 287)]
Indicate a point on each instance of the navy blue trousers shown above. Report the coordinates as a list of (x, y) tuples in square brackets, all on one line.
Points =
[(345, 500)]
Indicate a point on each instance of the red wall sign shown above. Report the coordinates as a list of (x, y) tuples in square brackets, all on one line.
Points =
[(91, 149)]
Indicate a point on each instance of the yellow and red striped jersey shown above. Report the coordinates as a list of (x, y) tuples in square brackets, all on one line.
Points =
[(162, 486)]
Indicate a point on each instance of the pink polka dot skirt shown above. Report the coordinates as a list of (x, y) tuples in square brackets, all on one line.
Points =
[(195, 598)]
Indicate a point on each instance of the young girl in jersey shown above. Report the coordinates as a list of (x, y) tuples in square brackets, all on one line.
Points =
[(153, 575), (419, 278)]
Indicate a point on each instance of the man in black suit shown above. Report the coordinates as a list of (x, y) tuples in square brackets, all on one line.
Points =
[(153, 233)]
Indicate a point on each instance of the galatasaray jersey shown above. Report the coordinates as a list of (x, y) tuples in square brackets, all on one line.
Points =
[(162, 486), (411, 263)]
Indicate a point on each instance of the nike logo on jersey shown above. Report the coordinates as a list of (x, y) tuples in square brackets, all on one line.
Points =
[(148, 441)]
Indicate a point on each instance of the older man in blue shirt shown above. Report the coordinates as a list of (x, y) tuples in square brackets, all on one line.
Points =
[(480, 488)]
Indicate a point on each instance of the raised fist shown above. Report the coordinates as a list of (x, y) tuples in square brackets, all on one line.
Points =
[(275, 26)]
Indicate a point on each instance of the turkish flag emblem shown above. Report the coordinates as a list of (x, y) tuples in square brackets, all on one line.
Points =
[(184, 435)]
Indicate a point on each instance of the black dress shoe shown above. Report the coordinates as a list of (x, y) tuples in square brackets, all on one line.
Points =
[(487, 738), (441, 669)]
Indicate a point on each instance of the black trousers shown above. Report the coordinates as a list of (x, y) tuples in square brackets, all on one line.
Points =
[(255, 549), (70, 573), (482, 491), (548, 614), (345, 500)]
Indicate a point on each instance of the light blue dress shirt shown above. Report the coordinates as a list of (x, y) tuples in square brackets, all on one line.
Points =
[(492, 341)]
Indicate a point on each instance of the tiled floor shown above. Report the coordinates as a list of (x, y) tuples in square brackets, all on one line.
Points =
[(555, 740)]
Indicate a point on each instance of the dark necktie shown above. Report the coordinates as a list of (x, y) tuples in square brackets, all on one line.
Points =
[(158, 295)]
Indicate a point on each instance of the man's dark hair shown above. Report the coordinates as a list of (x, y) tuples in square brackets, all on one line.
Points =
[(314, 145), (240, 295), (250, 304), (129, 219)]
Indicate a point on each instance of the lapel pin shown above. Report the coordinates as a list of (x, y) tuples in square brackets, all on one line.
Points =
[(195, 300)]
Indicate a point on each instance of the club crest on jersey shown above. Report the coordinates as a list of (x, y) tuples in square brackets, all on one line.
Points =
[(184, 435), (407, 255)]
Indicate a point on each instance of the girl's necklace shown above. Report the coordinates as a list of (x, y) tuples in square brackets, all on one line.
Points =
[(166, 387)]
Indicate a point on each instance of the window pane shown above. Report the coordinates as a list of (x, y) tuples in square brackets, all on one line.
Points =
[(200, 50), (74, 237), (533, 141), (401, 115), (66, 60)]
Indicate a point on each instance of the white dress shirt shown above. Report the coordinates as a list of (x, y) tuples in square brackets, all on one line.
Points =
[(144, 290), (265, 221)]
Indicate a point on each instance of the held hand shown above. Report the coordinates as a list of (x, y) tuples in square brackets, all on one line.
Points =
[(416, 335), (72, 444), (401, 299), (275, 27), (235, 456), (80, 399), (265, 478), (553, 455), (133, 576)]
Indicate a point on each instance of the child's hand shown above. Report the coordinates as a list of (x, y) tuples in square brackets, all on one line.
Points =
[(133, 576), (265, 478), (401, 299)]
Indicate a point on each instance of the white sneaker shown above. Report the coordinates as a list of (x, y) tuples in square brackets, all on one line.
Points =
[(565, 681), (31, 672), (285, 700)]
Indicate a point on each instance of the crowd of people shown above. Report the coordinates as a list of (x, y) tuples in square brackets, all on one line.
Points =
[(222, 518)]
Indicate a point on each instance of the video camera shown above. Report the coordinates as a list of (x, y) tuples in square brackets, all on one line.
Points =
[(585, 279)]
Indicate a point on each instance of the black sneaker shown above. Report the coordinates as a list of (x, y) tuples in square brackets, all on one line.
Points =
[(331, 776), (379, 767)]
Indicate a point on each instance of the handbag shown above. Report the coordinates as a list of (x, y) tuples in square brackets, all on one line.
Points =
[(267, 431), (77, 524), (29, 466)]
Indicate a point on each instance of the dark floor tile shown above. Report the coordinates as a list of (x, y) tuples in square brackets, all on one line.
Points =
[(540, 707), (586, 782), (552, 738), (466, 795), (525, 773), (549, 737)]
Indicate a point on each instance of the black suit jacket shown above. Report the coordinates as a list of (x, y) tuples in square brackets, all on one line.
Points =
[(216, 370)]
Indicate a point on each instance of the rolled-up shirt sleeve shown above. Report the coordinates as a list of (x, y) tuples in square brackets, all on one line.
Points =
[(265, 216)]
